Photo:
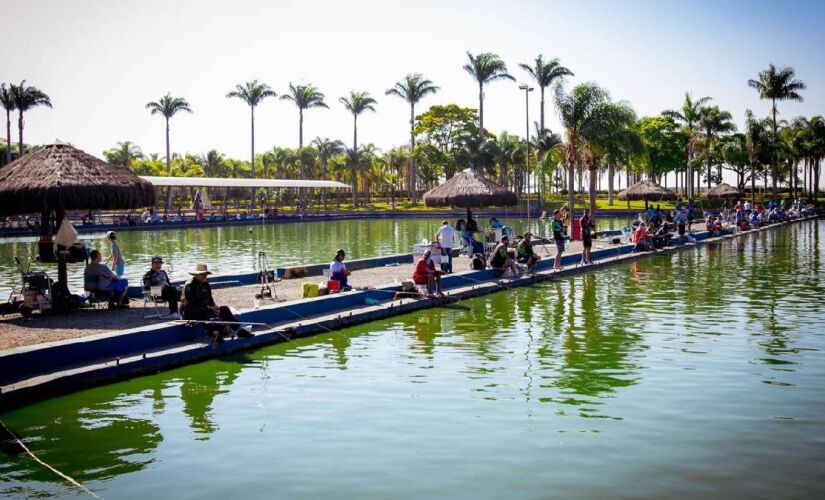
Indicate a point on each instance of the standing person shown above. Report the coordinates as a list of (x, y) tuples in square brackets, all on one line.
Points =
[(500, 259), (681, 221), (338, 270), (426, 274), (690, 209), (156, 276), (200, 306), (565, 218), (558, 238), (116, 256), (446, 239), (588, 228)]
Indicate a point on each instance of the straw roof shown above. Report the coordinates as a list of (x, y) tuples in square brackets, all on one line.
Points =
[(722, 191), (646, 190), (468, 189), (59, 175)]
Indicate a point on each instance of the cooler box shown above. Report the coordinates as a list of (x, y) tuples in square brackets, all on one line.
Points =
[(334, 286), (418, 252), (576, 230)]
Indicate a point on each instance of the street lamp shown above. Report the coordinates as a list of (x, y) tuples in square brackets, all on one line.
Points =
[(527, 89)]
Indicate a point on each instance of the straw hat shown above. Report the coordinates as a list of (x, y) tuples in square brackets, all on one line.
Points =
[(200, 269)]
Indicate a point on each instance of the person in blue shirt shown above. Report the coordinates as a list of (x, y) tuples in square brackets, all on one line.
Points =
[(495, 223)]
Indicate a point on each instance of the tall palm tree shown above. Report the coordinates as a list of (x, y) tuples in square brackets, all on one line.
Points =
[(7, 102), (689, 117), (758, 144), (412, 88), (305, 97), (485, 68), (545, 73), (579, 112), (168, 106), (327, 149), (356, 103), (25, 98), (252, 93), (777, 85), (123, 155), (713, 122)]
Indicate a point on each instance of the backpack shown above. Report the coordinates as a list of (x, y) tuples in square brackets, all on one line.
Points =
[(478, 263)]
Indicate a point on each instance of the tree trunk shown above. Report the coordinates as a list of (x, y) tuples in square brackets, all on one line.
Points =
[(302, 191), (571, 181), (20, 133), (168, 168), (773, 153), (252, 158), (354, 166), (411, 180), (592, 176), (541, 119), (480, 112), (8, 136)]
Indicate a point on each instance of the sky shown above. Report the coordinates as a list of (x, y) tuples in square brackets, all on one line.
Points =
[(101, 61)]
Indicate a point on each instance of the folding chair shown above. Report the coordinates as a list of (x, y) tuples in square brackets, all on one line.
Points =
[(152, 297)]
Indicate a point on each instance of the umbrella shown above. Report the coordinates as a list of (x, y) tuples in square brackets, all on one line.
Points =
[(646, 190), (468, 189), (722, 191), (60, 177)]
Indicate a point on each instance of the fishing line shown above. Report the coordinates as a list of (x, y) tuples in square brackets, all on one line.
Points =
[(37, 459)]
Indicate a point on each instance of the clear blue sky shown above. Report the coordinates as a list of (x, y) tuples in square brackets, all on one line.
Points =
[(102, 60)]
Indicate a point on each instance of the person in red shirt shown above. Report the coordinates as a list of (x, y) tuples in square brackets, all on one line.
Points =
[(425, 274)]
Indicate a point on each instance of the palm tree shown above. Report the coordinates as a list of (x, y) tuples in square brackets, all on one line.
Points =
[(356, 103), (579, 112), (689, 117), (123, 155), (26, 98), (412, 88), (545, 73), (713, 122), (168, 106), (327, 149), (252, 93), (485, 68), (304, 97), (7, 102), (777, 85), (758, 145)]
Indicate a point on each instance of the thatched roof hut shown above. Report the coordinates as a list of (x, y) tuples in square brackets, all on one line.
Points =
[(469, 189), (61, 176), (648, 191), (721, 192)]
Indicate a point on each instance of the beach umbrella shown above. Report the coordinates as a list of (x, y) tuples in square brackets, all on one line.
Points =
[(722, 192), (60, 177), (469, 189), (647, 191)]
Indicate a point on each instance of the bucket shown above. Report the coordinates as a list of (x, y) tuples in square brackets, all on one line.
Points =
[(334, 286)]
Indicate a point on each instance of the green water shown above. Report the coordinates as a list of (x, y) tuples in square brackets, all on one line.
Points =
[(696, 374), (234, 250)]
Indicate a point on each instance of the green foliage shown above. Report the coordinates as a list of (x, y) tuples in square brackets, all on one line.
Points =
[(168, 106), (305, 96), (449, 136), (663, 143), (123, 155), (252, 93)]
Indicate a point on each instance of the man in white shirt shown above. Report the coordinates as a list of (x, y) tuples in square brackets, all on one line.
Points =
[(445, 238), (748, 206)]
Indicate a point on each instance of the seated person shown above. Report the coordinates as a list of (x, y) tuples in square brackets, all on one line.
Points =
[(426, 274), (495, 223), (642, 239), (156, 276), (338, 270), (525, 253), (99, 279), (199, 305), (500, 259)]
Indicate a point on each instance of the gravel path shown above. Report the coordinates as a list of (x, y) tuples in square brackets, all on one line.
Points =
[(15, 331)]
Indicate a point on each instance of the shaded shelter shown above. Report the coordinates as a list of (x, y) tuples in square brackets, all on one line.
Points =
[(60, 177), (647, 191), (723, 191), (469, 189)]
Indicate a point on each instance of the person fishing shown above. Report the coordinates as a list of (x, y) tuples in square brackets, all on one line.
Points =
[(500, 259), (525, 253), (157, 277), (558, 238), (338, 270), (116, 256), (588, 231), (199, 305), (426, 274), (446, 239)]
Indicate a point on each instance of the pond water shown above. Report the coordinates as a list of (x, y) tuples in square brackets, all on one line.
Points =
[(694, 374), (234, 250)]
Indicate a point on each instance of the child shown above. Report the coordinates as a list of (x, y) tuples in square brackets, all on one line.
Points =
[(118, 264)]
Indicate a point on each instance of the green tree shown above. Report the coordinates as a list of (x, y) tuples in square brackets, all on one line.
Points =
[(688, 115), (545, 73), (7, 102), (485, 68), (123, 155), (713, 122), (327, 149), (777, 85), (26, 97), (412, 88), (663, 144), (356, 103), (447, 132), (168, 106), (759, 144), (304, 97)]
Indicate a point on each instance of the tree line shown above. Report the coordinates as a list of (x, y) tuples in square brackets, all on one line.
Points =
[(601, 137)]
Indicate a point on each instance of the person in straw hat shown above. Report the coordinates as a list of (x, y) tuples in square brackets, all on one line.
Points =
[(200, 306)]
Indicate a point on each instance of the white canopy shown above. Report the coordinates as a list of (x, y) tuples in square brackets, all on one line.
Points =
[(240, 183)]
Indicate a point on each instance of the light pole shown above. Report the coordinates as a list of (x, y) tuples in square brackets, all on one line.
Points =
[(527, 89)]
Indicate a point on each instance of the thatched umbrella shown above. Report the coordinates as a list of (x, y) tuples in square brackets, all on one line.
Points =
[(722, 192), (59, 177), (646, 190), (469, 189)]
